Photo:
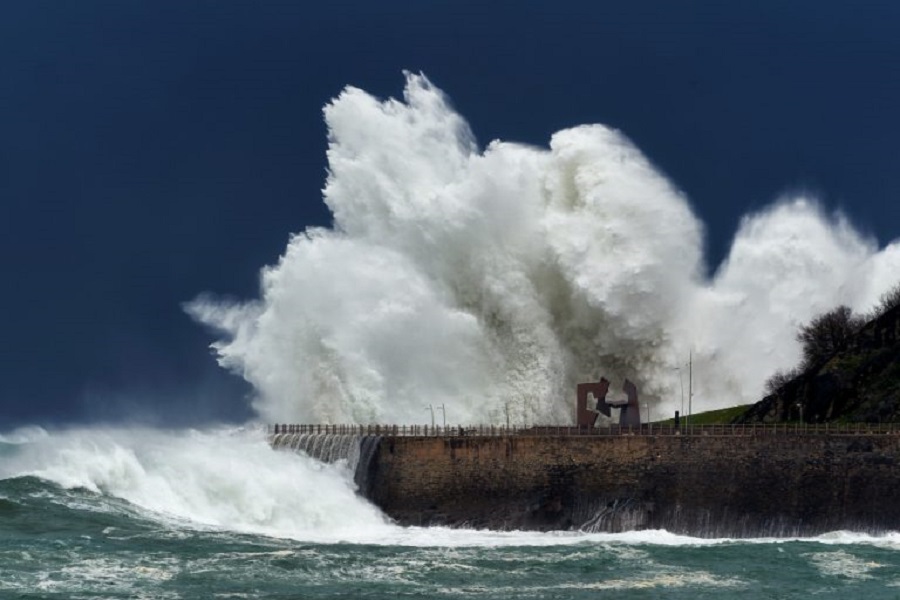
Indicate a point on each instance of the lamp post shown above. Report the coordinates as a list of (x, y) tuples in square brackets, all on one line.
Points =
[(443, 414), (431, 408), (681, 383), (690, 384)]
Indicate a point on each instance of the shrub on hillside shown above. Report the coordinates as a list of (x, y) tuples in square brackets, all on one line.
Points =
[(826, 334), (889, 300), (780, 379)]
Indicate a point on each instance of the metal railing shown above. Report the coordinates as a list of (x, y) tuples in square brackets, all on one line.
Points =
[(649, 429)]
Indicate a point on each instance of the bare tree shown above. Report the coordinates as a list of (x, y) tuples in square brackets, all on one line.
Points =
[(826, 334), (829, 333), (780, 379), (889, 300)]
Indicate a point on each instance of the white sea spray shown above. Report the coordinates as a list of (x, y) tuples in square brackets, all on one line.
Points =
[(492, 280)]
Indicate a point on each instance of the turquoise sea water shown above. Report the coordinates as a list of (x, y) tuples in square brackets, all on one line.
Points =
[(114, 515)]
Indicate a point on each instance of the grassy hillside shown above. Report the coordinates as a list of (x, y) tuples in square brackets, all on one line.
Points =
[(713, 417)]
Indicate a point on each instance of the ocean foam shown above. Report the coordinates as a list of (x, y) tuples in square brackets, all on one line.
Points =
[(838, 563)]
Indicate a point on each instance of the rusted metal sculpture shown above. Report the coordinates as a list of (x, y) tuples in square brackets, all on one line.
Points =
[(586, 416), (630, 414), (629, 408)]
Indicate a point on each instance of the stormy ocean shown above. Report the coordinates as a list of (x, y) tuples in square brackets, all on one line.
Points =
[(489, 281), (148, 514)]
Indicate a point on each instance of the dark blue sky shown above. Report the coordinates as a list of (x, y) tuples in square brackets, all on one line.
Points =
[(154, 150)]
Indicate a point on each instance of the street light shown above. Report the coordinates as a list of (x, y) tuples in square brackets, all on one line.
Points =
[(681, 382), (443, 414), (431, 408), (690, 366), (690, 384)]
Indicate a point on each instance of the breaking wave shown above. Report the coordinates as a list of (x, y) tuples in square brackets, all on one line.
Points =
[(225, 479), (492, 280)]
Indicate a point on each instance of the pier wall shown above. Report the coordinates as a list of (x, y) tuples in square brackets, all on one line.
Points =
[(711, 485)]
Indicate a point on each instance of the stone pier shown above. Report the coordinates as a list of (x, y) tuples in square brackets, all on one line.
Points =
[(704, 484)]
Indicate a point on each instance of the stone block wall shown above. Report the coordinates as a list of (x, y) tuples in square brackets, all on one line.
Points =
[(708, 485)]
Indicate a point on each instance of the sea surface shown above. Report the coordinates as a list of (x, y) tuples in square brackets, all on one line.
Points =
[(148, 514)]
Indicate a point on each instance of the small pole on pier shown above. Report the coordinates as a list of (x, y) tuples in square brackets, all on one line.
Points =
[(690, 384), (681, 383)]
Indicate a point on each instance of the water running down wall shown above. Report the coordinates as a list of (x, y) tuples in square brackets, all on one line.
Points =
[(356, 449)]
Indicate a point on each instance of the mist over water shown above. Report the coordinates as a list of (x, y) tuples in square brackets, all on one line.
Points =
[(493, 279)]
